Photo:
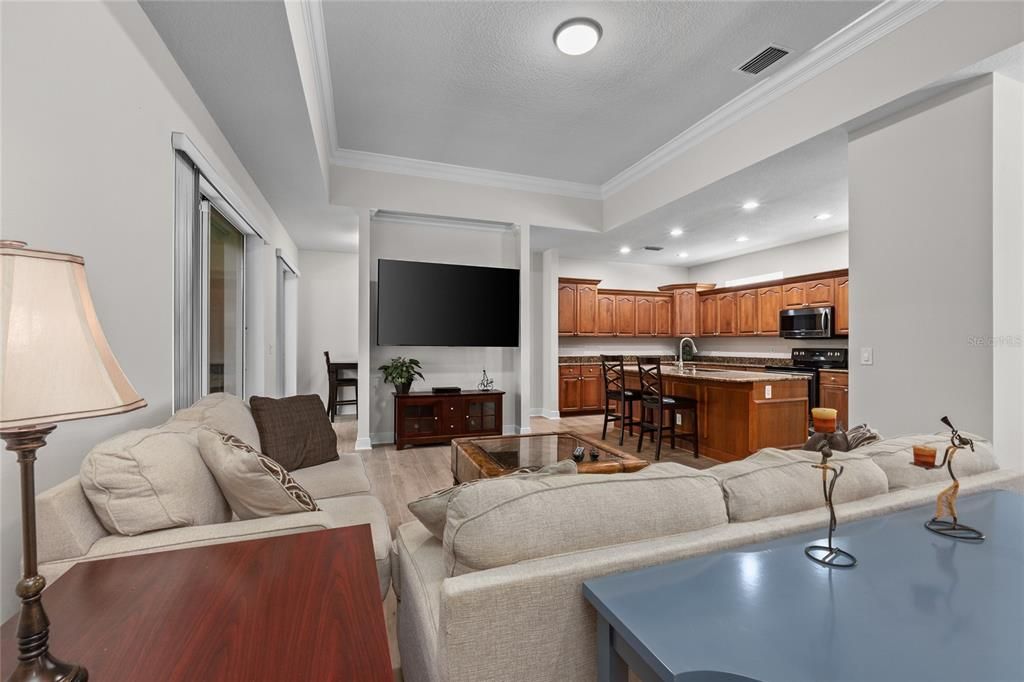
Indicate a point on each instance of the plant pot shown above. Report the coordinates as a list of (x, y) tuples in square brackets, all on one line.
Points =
[(402, 389)]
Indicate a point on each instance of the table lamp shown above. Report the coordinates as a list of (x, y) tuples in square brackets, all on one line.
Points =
[(55, 366)]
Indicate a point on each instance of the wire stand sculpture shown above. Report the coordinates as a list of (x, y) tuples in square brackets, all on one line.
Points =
[(945, 503), (829, 555)]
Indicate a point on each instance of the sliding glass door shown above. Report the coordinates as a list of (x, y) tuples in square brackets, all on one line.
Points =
[(224, 315)]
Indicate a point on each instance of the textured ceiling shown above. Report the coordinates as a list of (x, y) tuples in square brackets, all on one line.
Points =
[(481, 84), (792, 187)]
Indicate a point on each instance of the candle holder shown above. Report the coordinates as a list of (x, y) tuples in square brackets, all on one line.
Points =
[(829, 555), (945, 503)]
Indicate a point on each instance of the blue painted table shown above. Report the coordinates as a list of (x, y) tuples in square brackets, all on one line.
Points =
[(917, 606)]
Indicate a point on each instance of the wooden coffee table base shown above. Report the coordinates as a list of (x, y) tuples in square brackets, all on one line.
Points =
[(296, 607)]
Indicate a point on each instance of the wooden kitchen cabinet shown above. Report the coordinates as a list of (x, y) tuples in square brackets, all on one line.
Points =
[(709, 316), (577, 307), (718, 314), (769, 303), (809, 294), (644, 316), (663, 316), (685, 308), (580, 389), (746, 313), (834, 392), (566, 309), (605, 314), (586, 309), (625, 315), (591, 388), (842, 294), (569, 388)]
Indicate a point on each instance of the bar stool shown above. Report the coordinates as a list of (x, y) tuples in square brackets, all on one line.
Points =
[(655, 403), (337, 382), (615, 389)]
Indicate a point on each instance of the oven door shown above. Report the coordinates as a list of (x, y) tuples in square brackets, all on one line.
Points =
[(805, 323)]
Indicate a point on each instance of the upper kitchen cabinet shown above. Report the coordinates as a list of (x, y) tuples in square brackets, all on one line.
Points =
[(808, 294), (718, 314), (746, 313), (625, 315), (663, 316), (685, 307), (644, 315), (577, 306), (769, 303), (842, 293), (653, 315), (605, 314), (566, 308), (586, 309)]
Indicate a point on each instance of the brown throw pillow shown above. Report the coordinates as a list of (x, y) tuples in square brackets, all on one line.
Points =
[(837, 441), (295, 432)]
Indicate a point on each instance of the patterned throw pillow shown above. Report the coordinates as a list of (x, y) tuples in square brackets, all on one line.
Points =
[(255, 486)]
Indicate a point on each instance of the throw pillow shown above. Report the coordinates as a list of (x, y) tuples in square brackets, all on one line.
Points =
[(862, 434), (837, 441), (295, 432), (432, 509), (255, 486)]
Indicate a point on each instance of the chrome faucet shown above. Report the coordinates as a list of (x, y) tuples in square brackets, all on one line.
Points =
[(682, 365)]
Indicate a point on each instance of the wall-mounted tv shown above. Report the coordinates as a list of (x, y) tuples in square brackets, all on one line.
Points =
[(435, 304)]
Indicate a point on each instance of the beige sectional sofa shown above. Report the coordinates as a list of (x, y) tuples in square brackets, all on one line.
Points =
[(181, 495), (499, 596)]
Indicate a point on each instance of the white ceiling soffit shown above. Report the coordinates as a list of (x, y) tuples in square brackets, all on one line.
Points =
[(875, 24), (439, 221)]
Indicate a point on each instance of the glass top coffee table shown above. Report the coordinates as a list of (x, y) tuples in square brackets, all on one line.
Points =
[(491, 456)]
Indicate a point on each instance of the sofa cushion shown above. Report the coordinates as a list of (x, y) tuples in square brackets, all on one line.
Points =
[(344, 476), (151, 479), (895, 455), (432, 509), (295, 431), (355, 510), (225, 413), (255, 486), (775, 482), (516, 518)]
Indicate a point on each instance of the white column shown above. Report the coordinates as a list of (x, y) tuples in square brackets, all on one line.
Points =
[(549, 331), (525, 328), (363, 424)]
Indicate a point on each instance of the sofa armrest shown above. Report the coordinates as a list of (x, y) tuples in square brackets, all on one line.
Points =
[(112, 546), (67, 525)]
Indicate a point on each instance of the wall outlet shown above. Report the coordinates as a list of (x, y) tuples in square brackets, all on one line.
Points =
[(867, 356), (768, 392), (679, 419)]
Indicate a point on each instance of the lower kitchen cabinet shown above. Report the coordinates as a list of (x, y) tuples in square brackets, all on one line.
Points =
[(834, 392), (580, 389)]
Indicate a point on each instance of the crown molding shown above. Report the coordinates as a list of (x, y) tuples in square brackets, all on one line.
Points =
[(844, 43), (350, 158), (440, 221), (316, 33)]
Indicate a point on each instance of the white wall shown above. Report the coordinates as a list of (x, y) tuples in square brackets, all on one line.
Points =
[(442, 366), (328, 313), (831, 252), (90, 98), (921, 197)]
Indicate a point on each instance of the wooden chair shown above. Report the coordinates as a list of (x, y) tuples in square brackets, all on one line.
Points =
[(615, 390), (654, 405), (337, 381)]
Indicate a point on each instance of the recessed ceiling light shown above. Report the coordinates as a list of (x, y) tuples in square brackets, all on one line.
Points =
[(676, 231), (823, 216), (683, 254), (625, 249), (750, 205), (742, 238), (577, 36)]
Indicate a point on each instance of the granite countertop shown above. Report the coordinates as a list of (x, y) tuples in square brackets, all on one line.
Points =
[(724, 375), (838, 371), (747, 362)]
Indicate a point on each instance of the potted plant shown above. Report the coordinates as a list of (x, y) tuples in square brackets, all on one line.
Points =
[(401, 372)]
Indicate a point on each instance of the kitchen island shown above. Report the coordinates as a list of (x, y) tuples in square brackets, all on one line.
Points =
[(740, 411)]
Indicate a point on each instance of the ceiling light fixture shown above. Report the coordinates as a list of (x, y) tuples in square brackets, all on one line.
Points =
[(742, 238), (625, 250), (750, 205), (683, 254), (577, 36), (676, 231), (823, 216)]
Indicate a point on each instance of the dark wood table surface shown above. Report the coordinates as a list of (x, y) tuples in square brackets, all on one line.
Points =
[(295, 607)]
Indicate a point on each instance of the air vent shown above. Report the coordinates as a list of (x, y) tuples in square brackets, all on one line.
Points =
[(763, 60), (653, 248)]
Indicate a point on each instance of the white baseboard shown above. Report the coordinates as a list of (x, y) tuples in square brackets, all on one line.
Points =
[(509, 430), (525, 430), (550, 414), (536, 411), (382, 438), (363, 444)]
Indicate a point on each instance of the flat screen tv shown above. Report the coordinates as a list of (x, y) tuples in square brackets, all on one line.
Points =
[(434, 304)]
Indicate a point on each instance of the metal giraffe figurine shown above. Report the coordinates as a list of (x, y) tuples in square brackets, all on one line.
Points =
[(945, 503), (830, 555)]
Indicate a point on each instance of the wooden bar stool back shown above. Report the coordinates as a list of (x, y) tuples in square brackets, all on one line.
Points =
[(337, 381), (613, 371), (655, 406)]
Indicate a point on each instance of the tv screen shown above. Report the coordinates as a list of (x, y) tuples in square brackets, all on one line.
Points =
[(433, 304)]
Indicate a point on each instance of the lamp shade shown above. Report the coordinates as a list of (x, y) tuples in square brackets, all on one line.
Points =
[(55, 364)]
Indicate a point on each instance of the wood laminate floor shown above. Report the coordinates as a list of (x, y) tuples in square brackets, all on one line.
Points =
[(398, 477)]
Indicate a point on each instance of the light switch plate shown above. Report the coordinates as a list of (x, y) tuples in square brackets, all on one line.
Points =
[(768, 392), (867, 356)]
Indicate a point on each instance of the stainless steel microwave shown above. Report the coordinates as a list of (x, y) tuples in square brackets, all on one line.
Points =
[(806, 323)]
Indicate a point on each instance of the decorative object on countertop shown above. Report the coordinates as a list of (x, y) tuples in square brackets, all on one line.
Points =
[(829, 555), (945, 503), (402, 372), (55, 366), (824, 419), (486, 383)]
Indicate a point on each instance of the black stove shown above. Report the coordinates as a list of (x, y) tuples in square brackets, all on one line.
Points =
[(808, 361)]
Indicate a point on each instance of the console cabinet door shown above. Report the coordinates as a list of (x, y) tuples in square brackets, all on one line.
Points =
[(769, 303), (625, 315), (684, 313), (605, 314), (481, 415), (566, 309), (746, 321), (586, 309), (842, 293), (644, 316), (420, 417), (663, 316)]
